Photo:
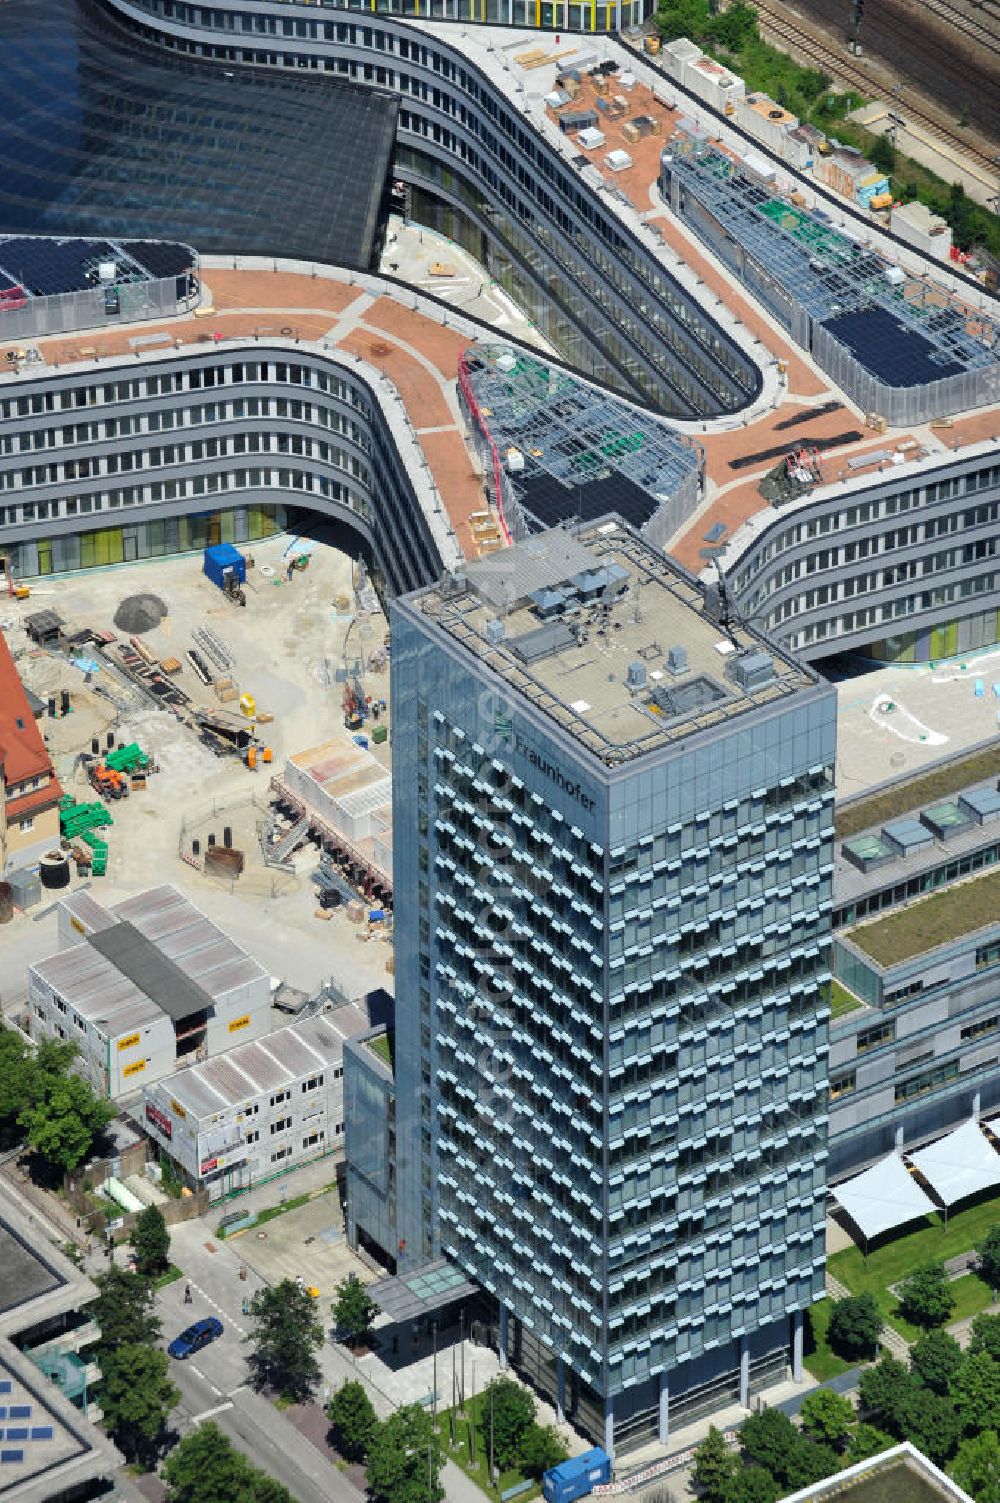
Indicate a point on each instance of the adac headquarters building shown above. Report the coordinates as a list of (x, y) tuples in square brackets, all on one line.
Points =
[(613, 856)]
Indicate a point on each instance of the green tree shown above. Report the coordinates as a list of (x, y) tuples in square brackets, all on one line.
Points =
[(985, 1335), (404, 1459), (136, 1397), (682, 18), (205, 1468), (734, 28), (883, 155), (855, 1325), (540, 1449), (513, 1412), (15, 1087), (810, 1461), (926, 1297), (715, 1467), (769, 1439), (63, 1117), (883, 1390), (265, 1489), (353, 1310), (285, 1340), (934, 1360), (930, 1422), (975, 1388), (976, 1467), (753, 1484), (827, 1416), (867, 1441), (989, 1257), (124, 1310), (151, 1241), (352, 1420)]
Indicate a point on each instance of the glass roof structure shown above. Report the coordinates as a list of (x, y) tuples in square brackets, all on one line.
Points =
[(102, 134)]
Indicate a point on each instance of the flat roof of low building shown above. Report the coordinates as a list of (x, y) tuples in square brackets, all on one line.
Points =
[(930, 922), (610, 638), (150, 954), (267, 1064)]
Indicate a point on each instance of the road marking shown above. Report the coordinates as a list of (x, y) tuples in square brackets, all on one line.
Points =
[(206, 1379), (206, 1414), (197, 1289)]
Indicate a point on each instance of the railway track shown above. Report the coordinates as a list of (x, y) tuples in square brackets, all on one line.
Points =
[(851, 71), (987, 37)]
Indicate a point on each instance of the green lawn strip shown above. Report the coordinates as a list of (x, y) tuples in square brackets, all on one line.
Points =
[(915, 792), (931, 921), (169, 1276), (380, 1046), (841, 1000), (820, 1361), (268, 1214), (478, 1470), (971, 1296)]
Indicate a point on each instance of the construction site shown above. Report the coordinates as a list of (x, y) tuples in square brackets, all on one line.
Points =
[(557, 449), (181, 702)]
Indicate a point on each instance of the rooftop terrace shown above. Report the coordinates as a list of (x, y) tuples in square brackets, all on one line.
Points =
[(932, 921), (610, 639)]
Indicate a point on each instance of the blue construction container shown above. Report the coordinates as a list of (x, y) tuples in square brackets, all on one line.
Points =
[(224, 559), (576, 1477)]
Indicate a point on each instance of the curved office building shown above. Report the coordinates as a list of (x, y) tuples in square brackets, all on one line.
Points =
[(103, 132), (480, 173), (225, 444)]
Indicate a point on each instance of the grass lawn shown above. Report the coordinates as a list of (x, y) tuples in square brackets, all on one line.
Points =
[(170, 1276), (916, 792), (380, 1045), (820, 1361), (931, 921), (841, 1000), (971, 1296), (931, 1242), (479, 1469)]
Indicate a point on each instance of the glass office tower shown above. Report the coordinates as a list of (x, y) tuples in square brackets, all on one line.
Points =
[(613, 811)]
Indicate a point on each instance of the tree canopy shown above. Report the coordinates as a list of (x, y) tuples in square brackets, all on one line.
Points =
[(136, 1397), (352, 1420), (855, 1326), (206, 1468), (151, 1241), (975, 1387), (285, 1340), (353, 1310), (925, 1296), (827, 1416), (976, 1467), (934, 1360), (715, 1467), (513, 1411), (124, 1310), (989, 1257), (539, 1449), (404, 1459)]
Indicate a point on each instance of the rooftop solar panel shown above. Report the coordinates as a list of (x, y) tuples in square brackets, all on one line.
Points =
[(890, 350)]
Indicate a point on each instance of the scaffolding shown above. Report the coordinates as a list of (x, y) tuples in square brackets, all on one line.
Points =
[(901, 345), (561, 450)]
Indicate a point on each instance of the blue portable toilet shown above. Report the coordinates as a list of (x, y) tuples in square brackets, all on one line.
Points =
[(224, 559), (576, 1477)]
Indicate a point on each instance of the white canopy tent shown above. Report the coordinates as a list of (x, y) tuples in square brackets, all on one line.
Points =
[(883, 1197), (959, 1165)]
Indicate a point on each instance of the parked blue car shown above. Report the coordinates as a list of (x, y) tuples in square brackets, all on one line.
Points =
[(195, 1337)]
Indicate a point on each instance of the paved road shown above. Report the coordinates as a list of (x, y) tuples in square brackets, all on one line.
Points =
[(213, 1386), (842, 1383)]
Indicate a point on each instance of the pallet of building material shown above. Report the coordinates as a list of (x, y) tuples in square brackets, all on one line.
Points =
[(264, 717), (531, 56), (94, 841), (199, 665), (142, 650), (322, 913), (225, 690), (528, 61), (224, 861), (170, 665), (130, 758)]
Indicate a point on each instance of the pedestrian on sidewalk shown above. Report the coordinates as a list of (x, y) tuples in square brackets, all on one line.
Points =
[(187, 1295)]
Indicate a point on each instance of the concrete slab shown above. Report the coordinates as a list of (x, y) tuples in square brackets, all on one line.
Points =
[(295, 1245)]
